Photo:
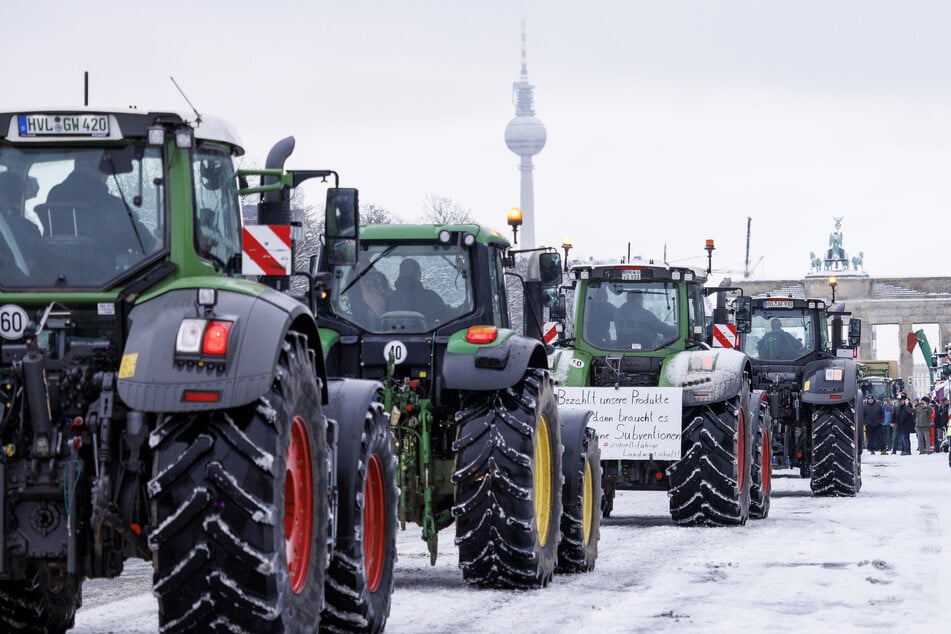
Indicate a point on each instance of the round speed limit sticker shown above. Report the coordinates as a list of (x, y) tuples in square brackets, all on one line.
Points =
[(13, 320)]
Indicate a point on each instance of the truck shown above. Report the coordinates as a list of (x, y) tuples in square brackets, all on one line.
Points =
[(672, 412), (807, 369), (480, 441), (162, 405)]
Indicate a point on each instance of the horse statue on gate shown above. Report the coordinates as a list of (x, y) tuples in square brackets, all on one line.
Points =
[(857, 261), (815, 263)]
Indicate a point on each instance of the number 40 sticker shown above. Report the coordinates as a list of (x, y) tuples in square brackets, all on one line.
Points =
[(397, 349), (13, 320)]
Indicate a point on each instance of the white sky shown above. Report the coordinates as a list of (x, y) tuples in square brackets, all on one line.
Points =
[(668, 122)]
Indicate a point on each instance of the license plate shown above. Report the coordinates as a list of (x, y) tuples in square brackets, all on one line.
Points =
[(778, 303), (630, 275), (63, 125)]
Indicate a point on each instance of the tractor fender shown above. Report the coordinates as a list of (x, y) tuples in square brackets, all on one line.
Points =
[(152, 380), (706, 376), (574, 422), (493, 366), (817, 389), (569, 366)]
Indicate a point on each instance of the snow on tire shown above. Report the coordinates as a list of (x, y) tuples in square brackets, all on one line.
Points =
[(360, 577), (835, 461), (710, 483), (240, 509), (581, 515), (508, 484), (36, 604)]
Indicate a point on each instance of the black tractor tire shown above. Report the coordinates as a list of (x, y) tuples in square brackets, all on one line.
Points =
[(31, 605), (360, 577), (508, 484), (710, 484), (581, 501), (761, 471), (240, 509), (836, 470)]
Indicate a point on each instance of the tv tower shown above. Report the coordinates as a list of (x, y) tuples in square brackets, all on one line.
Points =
[(525, 135)]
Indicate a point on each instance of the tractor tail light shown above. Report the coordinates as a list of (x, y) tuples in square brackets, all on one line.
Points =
[(482, 334), (215, 340)]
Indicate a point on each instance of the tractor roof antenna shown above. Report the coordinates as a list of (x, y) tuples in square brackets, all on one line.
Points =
[(85, 87), (197, 116)]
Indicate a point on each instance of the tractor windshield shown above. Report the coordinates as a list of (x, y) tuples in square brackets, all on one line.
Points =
[(780, 335), (408, 288), (78, 217), (630, 315)]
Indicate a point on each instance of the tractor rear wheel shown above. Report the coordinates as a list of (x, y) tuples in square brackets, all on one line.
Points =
[(710, 484), (360, 577), (508, 484), (33, 604), (835, 461), (240, 509), (581, 518), (761, 474)]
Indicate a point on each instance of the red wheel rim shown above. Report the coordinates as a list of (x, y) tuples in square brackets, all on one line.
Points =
[(767, 462), (298, 505), (741, 449), (374, 523)]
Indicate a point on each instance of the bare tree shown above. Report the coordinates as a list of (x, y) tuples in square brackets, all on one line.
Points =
[(376, 215), (443, 210)]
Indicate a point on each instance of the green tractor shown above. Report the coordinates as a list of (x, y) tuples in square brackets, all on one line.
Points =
[(479, 438), (672, 411), (158, 405)]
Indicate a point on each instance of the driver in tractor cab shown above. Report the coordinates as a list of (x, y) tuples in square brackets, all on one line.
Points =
[(778, 344), (19, 238), (411, 295), (638, 327)]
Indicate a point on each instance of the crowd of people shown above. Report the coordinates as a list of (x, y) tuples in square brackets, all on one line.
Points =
[(889, 424)]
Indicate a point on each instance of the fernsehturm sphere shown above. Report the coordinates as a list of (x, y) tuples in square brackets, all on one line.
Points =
[(525, 135)]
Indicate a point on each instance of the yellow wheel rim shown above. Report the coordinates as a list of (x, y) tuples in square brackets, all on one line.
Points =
[(587, 503), (542, 480)]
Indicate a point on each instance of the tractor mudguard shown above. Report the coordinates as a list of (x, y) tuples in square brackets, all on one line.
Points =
[(494, 366), (569, 366), (829, 388), (706, 376), (573, 425), (151, 380)]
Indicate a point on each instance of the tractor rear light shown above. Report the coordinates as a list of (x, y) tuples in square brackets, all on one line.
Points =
[(189, 336), (833, 374), (201, 396), (481, 334), (215, 340), (156, 135)]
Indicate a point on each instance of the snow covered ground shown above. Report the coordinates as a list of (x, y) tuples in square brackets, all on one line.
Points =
[(878, 562)]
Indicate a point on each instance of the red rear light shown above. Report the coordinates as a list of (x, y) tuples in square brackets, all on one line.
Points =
[(481, 334), (199, 396), (215, 340)]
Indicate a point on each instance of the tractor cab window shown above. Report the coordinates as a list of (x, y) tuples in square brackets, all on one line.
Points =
[(407, 288), (629, 316), (79, 216), (780, 335), (217, 213)]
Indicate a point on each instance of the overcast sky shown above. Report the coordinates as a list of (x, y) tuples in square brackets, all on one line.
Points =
[(668, 122)]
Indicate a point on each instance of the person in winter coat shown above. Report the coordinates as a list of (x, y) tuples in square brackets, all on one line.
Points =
[(888, 426), (904, 423), (923, 416), (873, 415), (940, 424)]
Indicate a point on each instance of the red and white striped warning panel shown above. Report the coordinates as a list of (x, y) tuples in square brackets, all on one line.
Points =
[(266, 250), (549, 331), (724, 335)]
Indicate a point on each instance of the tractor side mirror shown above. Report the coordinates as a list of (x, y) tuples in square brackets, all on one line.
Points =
[(743, 313), (855, 333), (342, 226), (555, 302), (549, 268)]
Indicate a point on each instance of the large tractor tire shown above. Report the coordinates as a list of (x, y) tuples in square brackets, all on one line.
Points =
[(508, 484), (710, 484), (581, 497), (836, 470), (240, 509), (360, 577), (761, 467), (33, 604)]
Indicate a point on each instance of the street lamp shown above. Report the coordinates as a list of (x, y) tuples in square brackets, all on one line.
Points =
[(566, 245), (709, 248), (515, 221), (833, 282)]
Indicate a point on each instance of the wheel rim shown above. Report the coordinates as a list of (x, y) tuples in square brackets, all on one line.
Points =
[(374, 523), (741, 449), (767, 462), (542, 480), (587, 502), (298, 505)]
